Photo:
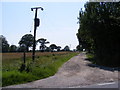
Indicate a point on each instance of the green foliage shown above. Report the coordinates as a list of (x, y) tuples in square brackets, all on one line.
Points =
[(66, 48), (44, 66), (43, 42), (13, 48), (91, 58), (22, 67), (53, 46), (27, 40), (0, 77), (15, 77), (4, 44), (79, 48), (99, 31), (58, 48)]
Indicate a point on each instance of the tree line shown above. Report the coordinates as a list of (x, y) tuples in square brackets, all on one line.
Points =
[(99, 31), (26, 42)]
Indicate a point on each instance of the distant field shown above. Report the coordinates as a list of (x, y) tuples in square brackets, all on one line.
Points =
[(11, 56), (46, 64)]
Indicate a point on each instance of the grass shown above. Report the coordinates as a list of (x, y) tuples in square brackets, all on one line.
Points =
[(45, 65), (91, 58), (15, 77), (0, 78)]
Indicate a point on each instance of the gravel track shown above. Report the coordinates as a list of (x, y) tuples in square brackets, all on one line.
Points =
[(74, 72)]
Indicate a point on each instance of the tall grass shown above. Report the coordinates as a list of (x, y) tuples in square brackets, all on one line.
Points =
[(44, 66), (15, 77)]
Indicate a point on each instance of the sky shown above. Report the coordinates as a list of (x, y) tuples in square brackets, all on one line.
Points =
[(58, 21)]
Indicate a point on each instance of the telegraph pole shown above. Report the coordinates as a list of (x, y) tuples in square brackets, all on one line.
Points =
[(36, 24)]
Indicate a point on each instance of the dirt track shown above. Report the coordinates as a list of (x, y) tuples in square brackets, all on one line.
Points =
[(75, 72)]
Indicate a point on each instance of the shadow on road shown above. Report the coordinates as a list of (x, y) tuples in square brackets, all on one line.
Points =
[(103, 67)]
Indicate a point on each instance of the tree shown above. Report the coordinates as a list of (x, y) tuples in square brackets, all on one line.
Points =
[(47, 49), (13, 48), (43, 42), (21, 48), (58, 48), (4, 45), (27, 40), (52, 47), (79, 48), (66, 48), (99, 31)]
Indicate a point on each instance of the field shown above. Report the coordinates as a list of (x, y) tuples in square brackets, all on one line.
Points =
[(46, 64)]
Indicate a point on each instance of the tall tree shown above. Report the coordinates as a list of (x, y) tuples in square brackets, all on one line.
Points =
[(27, 40), (13, 48), (53, 47), (58, 48), (66, 48), (99, 31), (4, 45), (79, 48), (43, 41), (21, 48)]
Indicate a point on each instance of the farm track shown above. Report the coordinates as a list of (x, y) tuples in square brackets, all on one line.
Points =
[(75, 72)]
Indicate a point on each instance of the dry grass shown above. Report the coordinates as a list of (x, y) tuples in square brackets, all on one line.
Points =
[(11, 56)]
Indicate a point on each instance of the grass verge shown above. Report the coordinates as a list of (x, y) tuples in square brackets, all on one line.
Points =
[(91, 58)]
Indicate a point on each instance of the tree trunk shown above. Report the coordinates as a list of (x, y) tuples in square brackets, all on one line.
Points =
[(27, 48)]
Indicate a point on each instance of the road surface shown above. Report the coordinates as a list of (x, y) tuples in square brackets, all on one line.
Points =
[(101, 85)]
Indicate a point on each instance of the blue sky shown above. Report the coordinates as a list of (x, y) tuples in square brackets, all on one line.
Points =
[(58, 21)]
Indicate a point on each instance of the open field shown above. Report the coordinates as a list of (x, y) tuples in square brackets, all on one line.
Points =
[(46, 64), (11, 56)]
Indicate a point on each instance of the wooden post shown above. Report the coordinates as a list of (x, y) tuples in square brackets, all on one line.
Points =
[(24, 57)]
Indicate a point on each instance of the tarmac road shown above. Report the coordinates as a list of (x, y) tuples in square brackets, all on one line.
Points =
[(101, 85)]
